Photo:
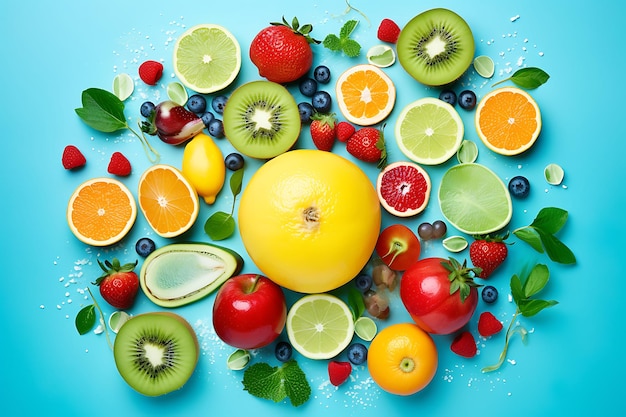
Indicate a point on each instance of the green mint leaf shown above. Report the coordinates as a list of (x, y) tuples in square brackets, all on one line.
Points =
[(235, 182), (529, 308), (102, 110), (530, 236), (332, 42), (528, 78), (550, 219), (537, 279), (557, 251), (277, 383), (517, 291), (356, 303), (86, 319), (351, 48), (219, 225), (347, 29)]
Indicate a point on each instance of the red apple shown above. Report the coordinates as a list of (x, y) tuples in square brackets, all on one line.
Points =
[(398, 247), (249, 311)]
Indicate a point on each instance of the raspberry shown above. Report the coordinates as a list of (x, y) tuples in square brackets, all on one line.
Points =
[(150, 72), (72, 157), (464, 345), (488, 324), (344, 131), (119, 165), (388, 31)]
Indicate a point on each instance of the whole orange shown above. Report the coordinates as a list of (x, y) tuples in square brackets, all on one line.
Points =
[(281, 54), (402, 359), (309, 219)]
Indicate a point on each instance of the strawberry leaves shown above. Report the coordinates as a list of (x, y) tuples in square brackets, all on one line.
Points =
[(540, 235)]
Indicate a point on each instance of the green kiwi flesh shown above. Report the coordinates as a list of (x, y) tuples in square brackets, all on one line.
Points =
[(436, 47), (156, 353), (261, 119)]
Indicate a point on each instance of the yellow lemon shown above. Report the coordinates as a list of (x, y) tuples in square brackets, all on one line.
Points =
[(309, 220), (203, 166)]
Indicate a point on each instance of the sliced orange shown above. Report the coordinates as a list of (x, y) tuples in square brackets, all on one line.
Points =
[(508, 120), (365, 94), (168, 201), (101, 211)]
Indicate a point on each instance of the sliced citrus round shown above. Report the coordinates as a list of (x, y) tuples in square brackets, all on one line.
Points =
[(474, 199), (167, 200), (101, 211), (365, 94), (403, 188), (429, 131), (207, 58), (319, 326), (508, 120)]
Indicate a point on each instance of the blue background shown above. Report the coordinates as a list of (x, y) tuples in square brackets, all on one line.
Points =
[(573, 363)]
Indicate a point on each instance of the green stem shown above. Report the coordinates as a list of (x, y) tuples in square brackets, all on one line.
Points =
[(509, 333), (500, 82), (151, 153), (102, 322), (350, 7)]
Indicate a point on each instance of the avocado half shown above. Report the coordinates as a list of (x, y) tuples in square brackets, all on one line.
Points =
[(181, 273)]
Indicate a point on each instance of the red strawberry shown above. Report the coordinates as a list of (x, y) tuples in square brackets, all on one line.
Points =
[(118, 284), (150, 72), (282, 52), (464, 345), (488, 253), (339, 372), (323, 131), (119, 165), (368, 145), (488, 324), (72, 157), (344, 131), (388, 31)]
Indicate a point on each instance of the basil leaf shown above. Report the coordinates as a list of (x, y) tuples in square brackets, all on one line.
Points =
[(102, 110), (516, 289), (556, 250), (219, 225), (530, 236), (529, 308), (85, 319), (537, 279), (356, 303), (530, 78), (550, 219), (235, 182)]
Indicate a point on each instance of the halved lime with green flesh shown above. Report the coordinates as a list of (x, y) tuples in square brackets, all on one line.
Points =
[(474, 199), (207, 58), (365, 328), (484, 66), (320, 326), (429, 131)]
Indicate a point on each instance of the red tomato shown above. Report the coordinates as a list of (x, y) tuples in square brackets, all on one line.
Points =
[(398, 247), (425, 292)]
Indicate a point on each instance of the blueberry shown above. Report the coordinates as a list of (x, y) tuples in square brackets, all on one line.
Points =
[(283, 351), (448, 96), (196, 104), (216, 128), (306, 111), (489, 294), (467, 99), (218, 104), (321, 74), (363, 282), (147, 108), (145, 246), (321, 101), (308, 87), (207, 118), (357, 353), (519, 186), (234, 161)]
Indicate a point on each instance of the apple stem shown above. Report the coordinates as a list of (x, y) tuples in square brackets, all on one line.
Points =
[(254, 284)]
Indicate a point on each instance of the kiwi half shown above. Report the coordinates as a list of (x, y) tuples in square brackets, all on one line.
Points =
[(261, 119), (156, 353), (436, 47)]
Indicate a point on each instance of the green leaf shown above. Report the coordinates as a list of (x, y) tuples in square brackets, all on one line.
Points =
[(277, 383), (529, 308), (356, 303), (530, 236), (351, 48), (86, 319), (516, 289), (235, 182), (332, 42), (556, 250), (550, 219), (220, 225), (102, 110), (536, 281), (343, 42), (347, 29), (528, 78)]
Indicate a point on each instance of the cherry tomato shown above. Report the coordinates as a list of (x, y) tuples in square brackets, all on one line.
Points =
[(398, 247), (425, 293)]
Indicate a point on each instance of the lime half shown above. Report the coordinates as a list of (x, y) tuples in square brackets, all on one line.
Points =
[(381, 55), (474, 199), (429, 131), (365, 328), (484, 66), (320, 326), (207, 58)]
